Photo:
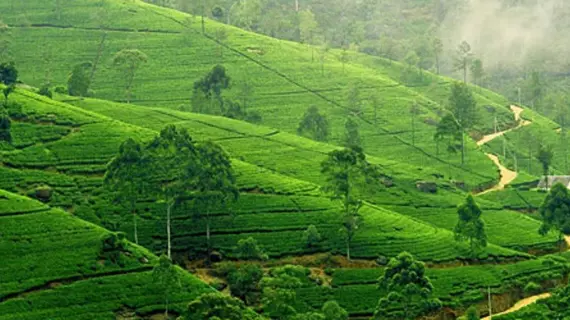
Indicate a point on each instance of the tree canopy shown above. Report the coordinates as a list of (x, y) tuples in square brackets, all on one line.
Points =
[(555, 212), (470, 226)]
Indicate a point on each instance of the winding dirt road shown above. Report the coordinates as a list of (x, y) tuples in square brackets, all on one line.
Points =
[(507, 176), (521, 304)]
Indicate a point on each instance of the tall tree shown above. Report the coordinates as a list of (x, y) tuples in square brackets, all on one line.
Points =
[(7, 92), (437, 45), (352, 134), (125, 177), (128, 61), (307, 29), (462, 59), (208, 91), (414, 110), (215, 183), (314, 124), (346, 171), (545, 156), (472, 314), (555, 212), (171, 156), (470, 226), (408, 290), (535, 89), (448, 131), (462, 106), (167, 278), (79, 81), (353, 98), (477, 71)]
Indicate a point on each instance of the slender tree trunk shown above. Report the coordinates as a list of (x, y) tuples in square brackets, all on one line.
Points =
[(168, 210), (462, 148), (348, 247), (135, 226), (208, 247), (166, 308)]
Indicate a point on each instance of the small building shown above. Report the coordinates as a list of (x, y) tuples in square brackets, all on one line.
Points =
[(552, 180)]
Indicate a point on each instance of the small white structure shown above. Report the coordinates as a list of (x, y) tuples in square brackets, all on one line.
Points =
[(552, 180)]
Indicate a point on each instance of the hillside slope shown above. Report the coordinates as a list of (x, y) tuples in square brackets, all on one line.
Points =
[(286, 77), (53, 267)]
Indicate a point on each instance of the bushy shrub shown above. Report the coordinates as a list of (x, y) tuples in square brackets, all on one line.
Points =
[(311, 237), (46, 91), (247, 249), (60, 89), (532, 288)]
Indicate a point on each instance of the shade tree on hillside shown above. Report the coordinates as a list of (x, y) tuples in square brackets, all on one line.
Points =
[(463, 58), (333, 311), (167, 279), (437, 47), (128, 61), (125, 178), (314, 125), (352, 138), (448, 132), (215, 183), (346, 172), (462, 106), (470, 227), (477, 71), (555, 212), (248, 249), (207, 95), (5, 126), (7, 91), (170, 158), (545, 156), (244, 282), (408, 290), (78, 82), (471, 314)]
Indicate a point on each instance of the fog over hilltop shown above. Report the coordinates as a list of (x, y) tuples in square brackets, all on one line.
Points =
[(510, 33)]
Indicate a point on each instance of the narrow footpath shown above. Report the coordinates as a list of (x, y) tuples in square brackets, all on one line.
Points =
[(507, 176)]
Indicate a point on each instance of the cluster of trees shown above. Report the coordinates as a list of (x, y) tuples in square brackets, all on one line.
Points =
[(208, 96), (555, 213), (175, 170)]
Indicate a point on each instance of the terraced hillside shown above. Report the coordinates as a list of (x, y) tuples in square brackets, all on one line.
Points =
[(285, 77), (273, 196), (54, 267)]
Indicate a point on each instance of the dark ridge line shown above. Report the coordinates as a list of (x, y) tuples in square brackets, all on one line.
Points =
[(256, 213), (282, 75), (69, 280), (13, 214)]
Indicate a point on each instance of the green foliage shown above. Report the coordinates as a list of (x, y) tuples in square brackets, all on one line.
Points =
[(125, 177), (114, 246), (8, 73), (409, 290), (45, 91), (244, 282), (462, 105), (344, 171), (555, 212), (470, 226), (128, 61), (472, 313), (167, 278), (314, 125), (79, 82), (352, 134), (333, 311), (450, 133), (462, 59), (532, 288), (208, 91), (248, 249), (279, 296), (5, 125), (218, 306), (312, 237), (545, 156)]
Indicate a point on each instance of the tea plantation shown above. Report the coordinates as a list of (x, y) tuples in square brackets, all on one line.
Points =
[(56, 213)]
